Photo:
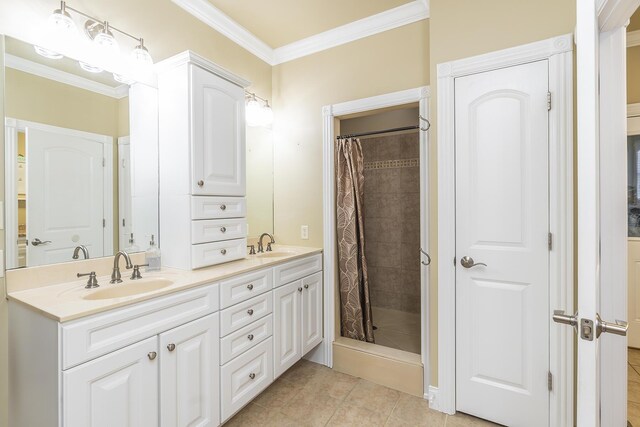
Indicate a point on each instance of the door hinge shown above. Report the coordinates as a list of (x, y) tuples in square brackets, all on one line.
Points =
[(104, 223), (550, 241), (124, 223), (550, 381), (104, 162), (548, 101)]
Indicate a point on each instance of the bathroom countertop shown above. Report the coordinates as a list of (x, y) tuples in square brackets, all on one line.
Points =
[(64, 302)]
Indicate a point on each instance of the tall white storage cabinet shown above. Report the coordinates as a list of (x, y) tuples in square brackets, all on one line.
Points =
[(202, 163)]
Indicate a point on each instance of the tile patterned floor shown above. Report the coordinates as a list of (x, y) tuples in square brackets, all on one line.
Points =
[(397, 329), (309, 394), (633, 387)]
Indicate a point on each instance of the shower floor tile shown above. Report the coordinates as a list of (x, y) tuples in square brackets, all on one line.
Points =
[(397, 329), (300, 399)]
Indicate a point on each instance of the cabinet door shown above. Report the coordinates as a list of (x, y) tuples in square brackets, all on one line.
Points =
[(118, 389), (189, 374), (311, 312), (218, 135), (287, 346)]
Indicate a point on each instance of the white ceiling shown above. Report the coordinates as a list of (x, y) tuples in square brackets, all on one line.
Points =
[(280, 22)]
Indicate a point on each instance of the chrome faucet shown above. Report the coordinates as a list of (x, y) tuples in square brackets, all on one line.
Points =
[(116, 277), (85, 252), (260, 245)]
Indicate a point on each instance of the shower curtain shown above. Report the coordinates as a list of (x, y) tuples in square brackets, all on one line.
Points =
[(355, 303)]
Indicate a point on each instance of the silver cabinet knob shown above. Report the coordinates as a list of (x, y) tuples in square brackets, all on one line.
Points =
[(223, 207), (152, 355), (306, 286), (171, 347), (299, 289), (468, 262), (223, 251), (200, 183), (250, 312), (252, 375), (223, 229), (250, 337), (250, 286)]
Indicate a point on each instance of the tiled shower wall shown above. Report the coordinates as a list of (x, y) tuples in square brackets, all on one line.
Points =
[(392, 220)]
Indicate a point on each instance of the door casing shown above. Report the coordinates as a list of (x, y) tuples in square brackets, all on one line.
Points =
[(559, 52)]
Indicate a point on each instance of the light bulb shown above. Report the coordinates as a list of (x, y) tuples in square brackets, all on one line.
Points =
[(90, 68), (105, 40), (50, 54), (266, 115), (122, 79), (140, 55), (253, 113), (60, 20)]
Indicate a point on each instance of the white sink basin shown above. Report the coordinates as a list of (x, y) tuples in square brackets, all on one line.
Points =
[(276, 254), (128, 288)]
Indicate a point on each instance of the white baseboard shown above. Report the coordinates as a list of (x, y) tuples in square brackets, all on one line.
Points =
[(434, 402)]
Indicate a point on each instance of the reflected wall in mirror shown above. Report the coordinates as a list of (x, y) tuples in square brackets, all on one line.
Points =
[(259, 180), (81, 160)]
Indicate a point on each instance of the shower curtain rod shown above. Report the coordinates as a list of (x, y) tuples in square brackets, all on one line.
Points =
[(377, 132)]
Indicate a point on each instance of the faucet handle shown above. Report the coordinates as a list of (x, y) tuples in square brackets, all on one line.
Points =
[(92, 282), (252, 249), (136, 271), (269, 247)]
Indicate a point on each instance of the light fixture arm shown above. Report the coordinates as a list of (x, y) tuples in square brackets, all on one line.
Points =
[(64, 6)]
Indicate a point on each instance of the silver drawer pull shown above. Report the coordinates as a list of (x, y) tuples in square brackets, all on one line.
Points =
[(152, 355), (250, 286), (200, 183), (250, 337), (223, 207), (223, 251), (299, 289), (223, 229), (306, 286), (250, 312), (252, 375), (171, 347)]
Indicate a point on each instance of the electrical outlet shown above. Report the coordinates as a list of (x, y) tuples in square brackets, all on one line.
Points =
[(304, 232)]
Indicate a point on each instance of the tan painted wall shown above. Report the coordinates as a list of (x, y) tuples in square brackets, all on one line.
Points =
[(387, 62), (483, 27), (633, 75), (381, 121)]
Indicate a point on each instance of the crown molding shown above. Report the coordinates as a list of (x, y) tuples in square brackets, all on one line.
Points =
[(384, 21), (393, 18), (216, 19), (51, 73), (633, 38), (189, 57)]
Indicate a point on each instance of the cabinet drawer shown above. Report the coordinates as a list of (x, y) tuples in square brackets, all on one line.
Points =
[(238, 289), (243, 339), (206, 254), (240, 315), (245, 377), (297, 269), (214, 230), (203, 207), (88, 338)]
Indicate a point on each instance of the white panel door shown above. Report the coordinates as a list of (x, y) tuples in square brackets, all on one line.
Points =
[(502, 210), (125, 221), (218, 132), (287, 319), (65, 196), (190, 375), (119, 389), (311, 312), (633, 314)]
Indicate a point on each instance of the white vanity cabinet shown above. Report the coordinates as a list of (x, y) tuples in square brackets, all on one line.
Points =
[(202, 163)]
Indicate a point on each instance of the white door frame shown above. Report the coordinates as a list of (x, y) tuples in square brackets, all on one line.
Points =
[(559, 52), (330, 113), (12, 128)]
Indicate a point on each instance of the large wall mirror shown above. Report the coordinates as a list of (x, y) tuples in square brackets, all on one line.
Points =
[(81, 159)]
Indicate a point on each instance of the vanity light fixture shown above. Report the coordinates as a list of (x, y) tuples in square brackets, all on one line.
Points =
[(257, 114), (90, 68), (101, 33), (122, 79), (47, 53)]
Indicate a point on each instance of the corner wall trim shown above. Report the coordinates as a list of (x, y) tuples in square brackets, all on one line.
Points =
[(558, 51)]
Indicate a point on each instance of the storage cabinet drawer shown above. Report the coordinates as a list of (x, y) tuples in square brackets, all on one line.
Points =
[(214, 230), (206, 254), (243, 339), (240, 315), (238, 289), (245, 377), (94, 336), (204, 207), (297, 269)]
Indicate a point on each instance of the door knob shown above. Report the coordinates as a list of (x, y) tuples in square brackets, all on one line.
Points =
[(171, 347), (200, 183), (467, 262), (38, 242), (560, 317), (618, 328), (152, 355)]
